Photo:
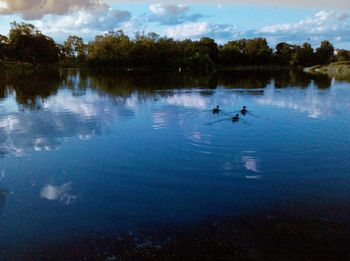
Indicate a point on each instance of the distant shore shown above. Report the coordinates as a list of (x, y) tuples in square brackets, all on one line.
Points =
[(19, 65)]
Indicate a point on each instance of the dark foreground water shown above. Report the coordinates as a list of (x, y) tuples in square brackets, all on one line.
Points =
[(87, 154)]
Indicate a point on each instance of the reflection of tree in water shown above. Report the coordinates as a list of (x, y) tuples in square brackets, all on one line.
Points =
[(125, 84), (113, 95), (289, 78), (281, 78), (145, 81), (30, 87), (33, 87), (2, 199), (3, 89), (75, 80), (297, 78), (245, 79), (322, 81)]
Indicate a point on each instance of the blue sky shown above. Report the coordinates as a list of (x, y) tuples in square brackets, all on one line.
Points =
[(283, 20)]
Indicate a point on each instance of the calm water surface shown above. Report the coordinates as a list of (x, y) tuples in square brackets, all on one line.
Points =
[(86, 154)]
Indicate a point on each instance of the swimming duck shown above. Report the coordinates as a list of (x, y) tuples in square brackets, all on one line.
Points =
[(235, 118), (244, 110), (216, 110)]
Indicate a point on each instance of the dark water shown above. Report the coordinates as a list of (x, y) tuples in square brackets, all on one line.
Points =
[(84, 154)]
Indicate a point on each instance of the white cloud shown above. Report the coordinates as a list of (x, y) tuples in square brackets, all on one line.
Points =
[(323, 25), (133, 25), (36, 9), (87, 18), (169, 14), (179, 24), (202, 29), (164, 10), (295, 3), (83, 22)]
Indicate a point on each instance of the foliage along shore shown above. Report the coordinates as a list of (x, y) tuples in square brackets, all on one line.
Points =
[(26, 46), (63, 65)]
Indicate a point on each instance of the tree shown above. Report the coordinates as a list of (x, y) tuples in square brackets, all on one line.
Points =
[(232, 53), (28, 44), (257, 51), (246, 52), (143, 51), (283, 54), (201, 62), (168, 53), (3, 39), (325, 53), (75, 48), (3, 46), (307, 55), (208, 46), (112, 48), (342, 55), (303, 55)]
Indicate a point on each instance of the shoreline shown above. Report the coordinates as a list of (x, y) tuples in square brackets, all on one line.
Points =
[(287, 231), (25, 66)]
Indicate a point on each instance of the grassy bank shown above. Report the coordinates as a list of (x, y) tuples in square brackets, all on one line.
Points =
[(15, 65), (338, 70), (11, 65)]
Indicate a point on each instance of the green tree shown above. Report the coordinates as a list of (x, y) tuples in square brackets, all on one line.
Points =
[(325, 53), (3, 47), (231, 53), (112, 48), (75, 48), (342, 55), (303, 55), (283, 54), (257, 51), (143, 50), (168, 53), (208, 46), (28, 44)]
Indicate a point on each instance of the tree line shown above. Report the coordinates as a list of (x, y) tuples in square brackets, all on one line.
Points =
[(27, 44)]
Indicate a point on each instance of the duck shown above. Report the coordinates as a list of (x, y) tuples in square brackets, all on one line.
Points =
[(216, 110), (235, 118), (244, 110)]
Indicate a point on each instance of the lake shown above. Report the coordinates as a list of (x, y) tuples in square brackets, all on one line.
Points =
[(86, 154)]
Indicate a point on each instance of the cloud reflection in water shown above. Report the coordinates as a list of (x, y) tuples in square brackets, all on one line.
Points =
[(250, 163), (188, 100), (59, 193), (62, 116), (310, 101)]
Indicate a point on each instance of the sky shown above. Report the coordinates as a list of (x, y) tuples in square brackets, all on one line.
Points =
[(292, 21)]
